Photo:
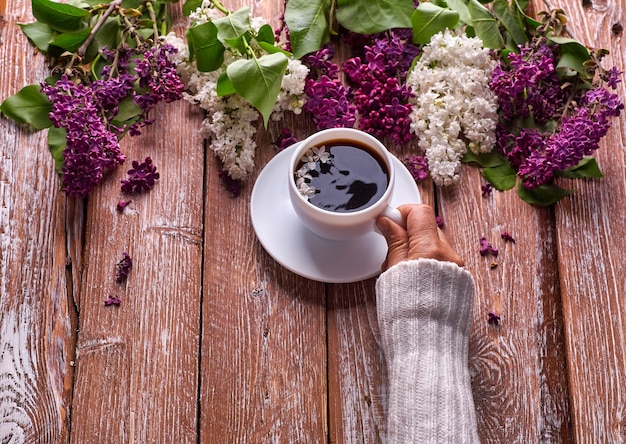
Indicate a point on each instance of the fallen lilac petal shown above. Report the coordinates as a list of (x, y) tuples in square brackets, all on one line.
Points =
[(493, 319), (122, 204), (507, 237), (112, 300)]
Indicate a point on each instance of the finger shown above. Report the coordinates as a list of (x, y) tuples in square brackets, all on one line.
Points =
[(451, 255), (397, 241), (420, 220)]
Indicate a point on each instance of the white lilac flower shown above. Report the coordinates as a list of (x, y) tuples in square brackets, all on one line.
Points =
[(453, 102), (230, 123), (316, 154), (321, 154), (291, 96), (306, 190), (204, 13)]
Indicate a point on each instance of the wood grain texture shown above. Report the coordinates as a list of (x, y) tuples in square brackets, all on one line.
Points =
[(591, 227), (216, 342), (36, 340), (506, 361), (137, 365), (264, 331), (356, 366)]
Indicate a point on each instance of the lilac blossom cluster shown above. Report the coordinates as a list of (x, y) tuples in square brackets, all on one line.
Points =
[(230, 120), (531, 90), (92, 145), (86, 112), (531, 87), (454, 109), (157, 75), (380, 96), (328, 100)]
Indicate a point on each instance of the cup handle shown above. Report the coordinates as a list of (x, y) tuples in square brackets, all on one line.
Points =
[(395, 215)]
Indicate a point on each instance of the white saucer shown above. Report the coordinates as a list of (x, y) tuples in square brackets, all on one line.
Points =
[(301, 251)]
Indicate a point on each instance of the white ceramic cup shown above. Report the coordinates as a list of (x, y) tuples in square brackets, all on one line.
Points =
[(339, 225)]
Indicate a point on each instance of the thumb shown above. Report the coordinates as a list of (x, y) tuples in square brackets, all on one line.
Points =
[(397, 241)]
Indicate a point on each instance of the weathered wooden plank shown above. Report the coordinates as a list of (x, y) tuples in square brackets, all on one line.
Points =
[(36, 307), (591, 238), (264, 328), (519, 367), (518, 379), (137, 364), (356, 367)]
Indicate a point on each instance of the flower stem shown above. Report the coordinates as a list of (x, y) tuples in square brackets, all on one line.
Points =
[(83, 48), (218, 5), (155, 30)]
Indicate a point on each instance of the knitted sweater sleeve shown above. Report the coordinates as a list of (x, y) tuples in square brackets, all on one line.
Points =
[(424, 310)]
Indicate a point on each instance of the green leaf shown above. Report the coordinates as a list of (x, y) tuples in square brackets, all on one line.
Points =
[(205, 47), (270, 48), (543, 195), (429, 19), (239, 43), (108, 35), (265, 34), (491, 159), (57, 141), (68, 41), (502, 177), (372, 16), (128, 110), (512, 21), (308, 25), (234, 25), (224, 86), (572, 54), (586, 168), (29, 106), (39, 34), (60, 16), (258, 80), (191, 5), (485, 25), (460, 6)]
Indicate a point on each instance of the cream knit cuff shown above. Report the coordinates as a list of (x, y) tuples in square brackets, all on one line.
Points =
[(424, 310)]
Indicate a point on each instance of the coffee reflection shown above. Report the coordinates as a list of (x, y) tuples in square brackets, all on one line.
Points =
[(342, 176)]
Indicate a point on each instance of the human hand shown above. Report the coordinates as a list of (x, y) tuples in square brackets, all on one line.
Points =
[(421, 239)]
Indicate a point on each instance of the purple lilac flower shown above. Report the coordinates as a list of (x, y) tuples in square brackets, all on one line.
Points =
[(285, 140), (328, 100), (486, 189), (613, 77), (141, 177), (112, 300), (157, 73), (486, 248), (530, 86), (379, 96), (122, 204), (417, 166), (493, 319), (122, 268), (92, 145), (506, 236), (579, 136)]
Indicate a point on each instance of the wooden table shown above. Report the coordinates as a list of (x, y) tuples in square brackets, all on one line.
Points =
[(216, 343)]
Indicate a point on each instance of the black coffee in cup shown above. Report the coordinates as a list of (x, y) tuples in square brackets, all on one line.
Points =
[(342, 176)]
